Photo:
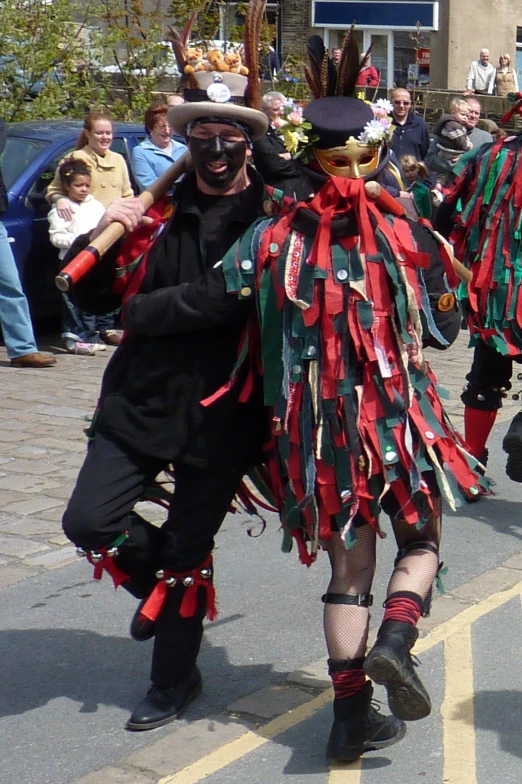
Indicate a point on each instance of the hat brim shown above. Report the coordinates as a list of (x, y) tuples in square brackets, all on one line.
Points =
[(180, 116)]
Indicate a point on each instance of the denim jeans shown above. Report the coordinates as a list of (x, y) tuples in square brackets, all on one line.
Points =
[(14, 310), (82, 326)]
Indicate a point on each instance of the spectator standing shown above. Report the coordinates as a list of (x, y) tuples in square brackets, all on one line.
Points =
[(272, 161), (336, 56), (410, 135), (481, 75), (158, 151), (79, 329), (15, 318), (476, 135), (506, 78), (368, 76), (417, 175), (109, 181)]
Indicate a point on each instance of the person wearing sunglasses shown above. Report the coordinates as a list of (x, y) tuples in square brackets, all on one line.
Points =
[(410, 135)]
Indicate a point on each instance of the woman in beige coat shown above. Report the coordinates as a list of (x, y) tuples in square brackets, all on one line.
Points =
[(506, 79), (109, 181)]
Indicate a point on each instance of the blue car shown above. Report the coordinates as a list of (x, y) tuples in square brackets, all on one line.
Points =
[(29, 161)]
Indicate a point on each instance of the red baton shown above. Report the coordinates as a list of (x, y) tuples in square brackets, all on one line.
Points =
[(383, 200)]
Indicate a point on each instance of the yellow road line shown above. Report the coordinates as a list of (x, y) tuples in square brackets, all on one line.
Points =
[(458, 721), (466, 618), (236, 749), (248, 742), (346, 774)]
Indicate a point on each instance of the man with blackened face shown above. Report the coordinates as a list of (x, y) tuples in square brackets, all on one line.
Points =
[(219, 152), (153, 412)]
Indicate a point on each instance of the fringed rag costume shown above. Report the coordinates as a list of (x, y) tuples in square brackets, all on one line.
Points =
[(342, 303), (487, 202)]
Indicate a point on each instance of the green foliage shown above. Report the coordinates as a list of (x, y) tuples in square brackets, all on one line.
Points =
[(52, 57)]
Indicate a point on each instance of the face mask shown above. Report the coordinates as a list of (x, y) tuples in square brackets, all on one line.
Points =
[(355, 160), (205, 151)]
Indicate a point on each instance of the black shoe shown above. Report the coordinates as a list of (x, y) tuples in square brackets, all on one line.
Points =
[(389, 663), (142, 628), (512, 444), (359, 727), (163, 704)]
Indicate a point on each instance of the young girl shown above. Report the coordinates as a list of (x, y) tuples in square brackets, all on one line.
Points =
[(416, 173), (79, 329)]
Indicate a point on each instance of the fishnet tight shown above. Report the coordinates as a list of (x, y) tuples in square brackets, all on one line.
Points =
[(417, 569), (346, 626)]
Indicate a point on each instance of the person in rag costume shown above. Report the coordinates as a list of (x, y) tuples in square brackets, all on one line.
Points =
[(149, 416), (482, 218), (346, 299)]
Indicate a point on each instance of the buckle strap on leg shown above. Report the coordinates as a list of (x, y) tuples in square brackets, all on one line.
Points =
[(420, 545), (357, 599)]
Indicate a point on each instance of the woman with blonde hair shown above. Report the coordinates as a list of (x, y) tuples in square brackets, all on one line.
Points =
[(109, 181), (506, 79)]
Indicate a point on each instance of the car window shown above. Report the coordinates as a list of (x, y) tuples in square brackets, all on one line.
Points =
[(46, 176), (17, 156)]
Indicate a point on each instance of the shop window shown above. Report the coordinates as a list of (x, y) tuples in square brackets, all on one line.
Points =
[(410, 60)]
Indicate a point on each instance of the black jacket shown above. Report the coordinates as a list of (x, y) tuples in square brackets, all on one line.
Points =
[(412, 138), (153, 385), (275, 170)]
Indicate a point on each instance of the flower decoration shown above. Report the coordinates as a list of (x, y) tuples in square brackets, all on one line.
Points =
[(294, 133), (380, 129)]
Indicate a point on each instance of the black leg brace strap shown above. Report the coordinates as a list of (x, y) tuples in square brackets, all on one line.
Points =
[(408, 548), (358, 599)]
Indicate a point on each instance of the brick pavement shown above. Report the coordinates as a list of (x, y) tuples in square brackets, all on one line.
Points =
[(42, 445)]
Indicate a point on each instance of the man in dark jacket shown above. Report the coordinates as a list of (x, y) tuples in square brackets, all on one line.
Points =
[(411, 135), (151, 416)]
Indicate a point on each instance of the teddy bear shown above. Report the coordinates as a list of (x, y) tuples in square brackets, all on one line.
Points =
[(194, 58), (216, 60), (233, 60)]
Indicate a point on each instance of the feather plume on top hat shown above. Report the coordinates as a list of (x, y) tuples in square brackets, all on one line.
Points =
[(324, 79), (216, 93)]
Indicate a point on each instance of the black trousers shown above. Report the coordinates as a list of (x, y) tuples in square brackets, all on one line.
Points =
[(109, 484), (489, 378)]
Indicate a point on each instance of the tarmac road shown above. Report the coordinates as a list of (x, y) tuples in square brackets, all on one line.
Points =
[(71, 674)]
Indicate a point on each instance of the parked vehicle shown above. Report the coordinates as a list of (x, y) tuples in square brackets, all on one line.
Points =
[(162, 63), (29, 161)]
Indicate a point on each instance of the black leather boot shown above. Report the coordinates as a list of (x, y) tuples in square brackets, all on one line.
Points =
[(358, 727), (512, 444), (141, 628), (164, 704), (389, 663)]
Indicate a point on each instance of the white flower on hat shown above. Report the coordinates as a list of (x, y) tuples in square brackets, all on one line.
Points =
[(373, 132), (384, 105)]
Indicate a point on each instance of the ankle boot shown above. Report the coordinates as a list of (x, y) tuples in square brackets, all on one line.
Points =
[(358, 727), (389, 663), (512, 444)]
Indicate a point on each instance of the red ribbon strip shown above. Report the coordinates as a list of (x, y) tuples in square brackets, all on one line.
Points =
[(189, 603)]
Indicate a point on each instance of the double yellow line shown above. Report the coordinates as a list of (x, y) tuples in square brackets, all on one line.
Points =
[(456, 709)]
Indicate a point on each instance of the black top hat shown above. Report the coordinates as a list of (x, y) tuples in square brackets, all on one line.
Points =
[(334, 119)]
